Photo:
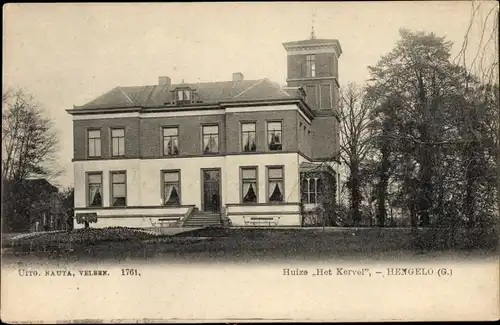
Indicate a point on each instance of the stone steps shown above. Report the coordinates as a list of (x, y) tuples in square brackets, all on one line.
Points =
[(201, 219)]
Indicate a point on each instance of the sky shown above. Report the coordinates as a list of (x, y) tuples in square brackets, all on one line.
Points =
[(68, 54)]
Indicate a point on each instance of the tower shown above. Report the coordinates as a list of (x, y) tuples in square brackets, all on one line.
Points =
[(313, 65)]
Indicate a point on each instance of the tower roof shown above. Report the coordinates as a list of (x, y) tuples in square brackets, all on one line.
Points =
[(314, 43)]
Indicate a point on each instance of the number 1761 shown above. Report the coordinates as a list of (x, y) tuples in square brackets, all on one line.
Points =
[(130, 272)]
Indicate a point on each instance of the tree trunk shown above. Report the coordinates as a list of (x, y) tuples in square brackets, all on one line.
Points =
[(425, 189), (425, 154), (382, 186), (355, 193), (470, 181)]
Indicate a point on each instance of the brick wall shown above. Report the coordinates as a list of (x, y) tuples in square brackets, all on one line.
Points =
[(289, 129), (296, 66), (323, 65), (315, 90), (143, 137), (325, 140), (304, 139), (326, 65), (80, 143), (190, 134)]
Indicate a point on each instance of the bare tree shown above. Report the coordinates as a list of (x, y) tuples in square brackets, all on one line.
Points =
[(484, 64), (29, 142), (356, 140)]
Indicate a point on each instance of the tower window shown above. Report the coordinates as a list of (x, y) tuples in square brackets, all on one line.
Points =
[(310, 66)]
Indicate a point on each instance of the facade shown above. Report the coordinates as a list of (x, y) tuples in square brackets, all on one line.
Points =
[(239, 150)]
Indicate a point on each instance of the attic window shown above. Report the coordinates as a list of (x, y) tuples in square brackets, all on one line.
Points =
[(183, 96)]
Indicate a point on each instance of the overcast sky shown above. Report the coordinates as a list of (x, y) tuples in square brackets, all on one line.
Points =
[(68, 54)]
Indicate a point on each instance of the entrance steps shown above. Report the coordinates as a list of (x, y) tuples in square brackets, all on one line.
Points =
[(202, 219)]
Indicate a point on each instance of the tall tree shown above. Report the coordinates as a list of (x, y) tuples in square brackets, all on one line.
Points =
[(416, 73), (482, 60), (28, 139), (356, 141), (384, 121), (29, 144), (435, 125)]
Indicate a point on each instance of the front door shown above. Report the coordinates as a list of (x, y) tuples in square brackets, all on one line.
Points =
[(211, 190)]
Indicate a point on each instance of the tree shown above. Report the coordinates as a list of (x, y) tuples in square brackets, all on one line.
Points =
[(419, 78), (435, 126), (29, 144), (28, 139), (483, 62), (356, 141)]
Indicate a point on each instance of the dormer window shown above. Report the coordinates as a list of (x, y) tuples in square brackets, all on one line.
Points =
[(183, 96)]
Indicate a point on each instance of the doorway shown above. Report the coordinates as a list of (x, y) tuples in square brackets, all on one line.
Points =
[(211, 196)]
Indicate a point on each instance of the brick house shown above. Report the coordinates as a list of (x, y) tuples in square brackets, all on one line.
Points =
[(34, 205), (198, 153)]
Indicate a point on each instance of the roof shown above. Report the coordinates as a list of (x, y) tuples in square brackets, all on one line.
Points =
[(315, 167), (312, 42), (40, 185), (206, 93)]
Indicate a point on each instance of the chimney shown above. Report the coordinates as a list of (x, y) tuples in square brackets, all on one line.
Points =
[(237, 76), (164, 81)]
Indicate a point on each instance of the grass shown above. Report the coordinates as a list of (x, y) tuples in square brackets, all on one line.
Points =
[(236, 245)]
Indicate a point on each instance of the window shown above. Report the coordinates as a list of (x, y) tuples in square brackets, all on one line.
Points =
[(274, 135), (210, 139), (310, 66), (118, 142), (171, 188), (183, 96), (248, 143), (94, 181), (249, 184), (311, 190), (94, 138), (275, 184), (118, 189), (170, 141)]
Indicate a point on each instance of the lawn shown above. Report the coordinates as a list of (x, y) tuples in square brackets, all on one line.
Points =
[(234, 245)]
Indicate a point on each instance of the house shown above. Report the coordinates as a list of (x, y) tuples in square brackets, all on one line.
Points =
[(34, 205), (245, 151)]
